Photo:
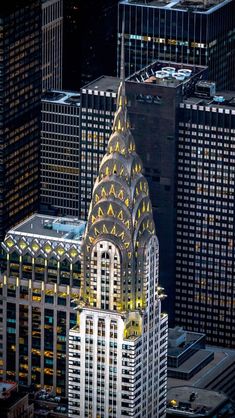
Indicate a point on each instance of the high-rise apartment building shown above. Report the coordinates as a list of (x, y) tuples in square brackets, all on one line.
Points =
[(118, 349), (185, 31), (205, 257), (39, 280), (20, 87), (98, 101), (60, 150), (52, 44)]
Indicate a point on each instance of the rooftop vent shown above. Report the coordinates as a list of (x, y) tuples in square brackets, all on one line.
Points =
[(162, 74), (185, 72), (218, 99), (170, 70), (205, 89), (179, 76)]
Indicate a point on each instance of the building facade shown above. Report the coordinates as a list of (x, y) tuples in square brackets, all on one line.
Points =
[(40, 278), (20, 88), (118, 349), (205, 216), (93, 45), (52, 44), (190, 32), (154, 95), (98, 102), (60, 153)]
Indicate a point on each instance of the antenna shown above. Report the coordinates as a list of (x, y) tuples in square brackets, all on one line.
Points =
[(122, 63)]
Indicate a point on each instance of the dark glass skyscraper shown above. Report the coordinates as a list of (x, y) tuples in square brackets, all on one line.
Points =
[(205, 256), (20, 87), (98, 101), (154, 98), (198, 33), (60, 148), (52, 40), (90, 30)]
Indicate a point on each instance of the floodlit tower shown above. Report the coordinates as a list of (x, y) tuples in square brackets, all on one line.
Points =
[(118, 350)]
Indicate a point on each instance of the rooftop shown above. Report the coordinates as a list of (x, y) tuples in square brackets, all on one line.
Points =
[(197, 401), (179, 340), (6, 388), (9, 394), (44, 226), (224, 359), (222, 99), (193, 362), (104, 84), (70, 98), (169, 74), (199, 6)]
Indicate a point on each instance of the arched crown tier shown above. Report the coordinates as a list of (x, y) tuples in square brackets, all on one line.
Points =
[(120, 214)]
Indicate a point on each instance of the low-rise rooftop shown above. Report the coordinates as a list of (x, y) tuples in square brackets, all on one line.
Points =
[(221, 100), (70, 98), (106, 84), (50, 227), (6, 388), (199, 6), (197, 402)]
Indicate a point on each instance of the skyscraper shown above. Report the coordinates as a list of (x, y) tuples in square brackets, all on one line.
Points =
[(191, 32), (52, 40), (60, 150), (20, 88), (205, 255), (118, 350), (154, 96), (40, 277)]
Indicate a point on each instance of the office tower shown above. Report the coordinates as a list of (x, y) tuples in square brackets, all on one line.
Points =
[(98, 101), (205, 257), (118, 349), (60, 148), (154, 96), (193, 32), (40, 278), (52, 44), (20, 87), (90, 36)]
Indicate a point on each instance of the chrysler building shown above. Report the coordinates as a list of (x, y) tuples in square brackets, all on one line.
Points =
[(118, 349)]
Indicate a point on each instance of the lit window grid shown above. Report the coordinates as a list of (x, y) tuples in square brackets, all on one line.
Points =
[(60, 157), (205, 219), (152, 40)]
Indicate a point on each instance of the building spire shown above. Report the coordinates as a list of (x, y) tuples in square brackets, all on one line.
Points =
[(122, 66), (120, 120)]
